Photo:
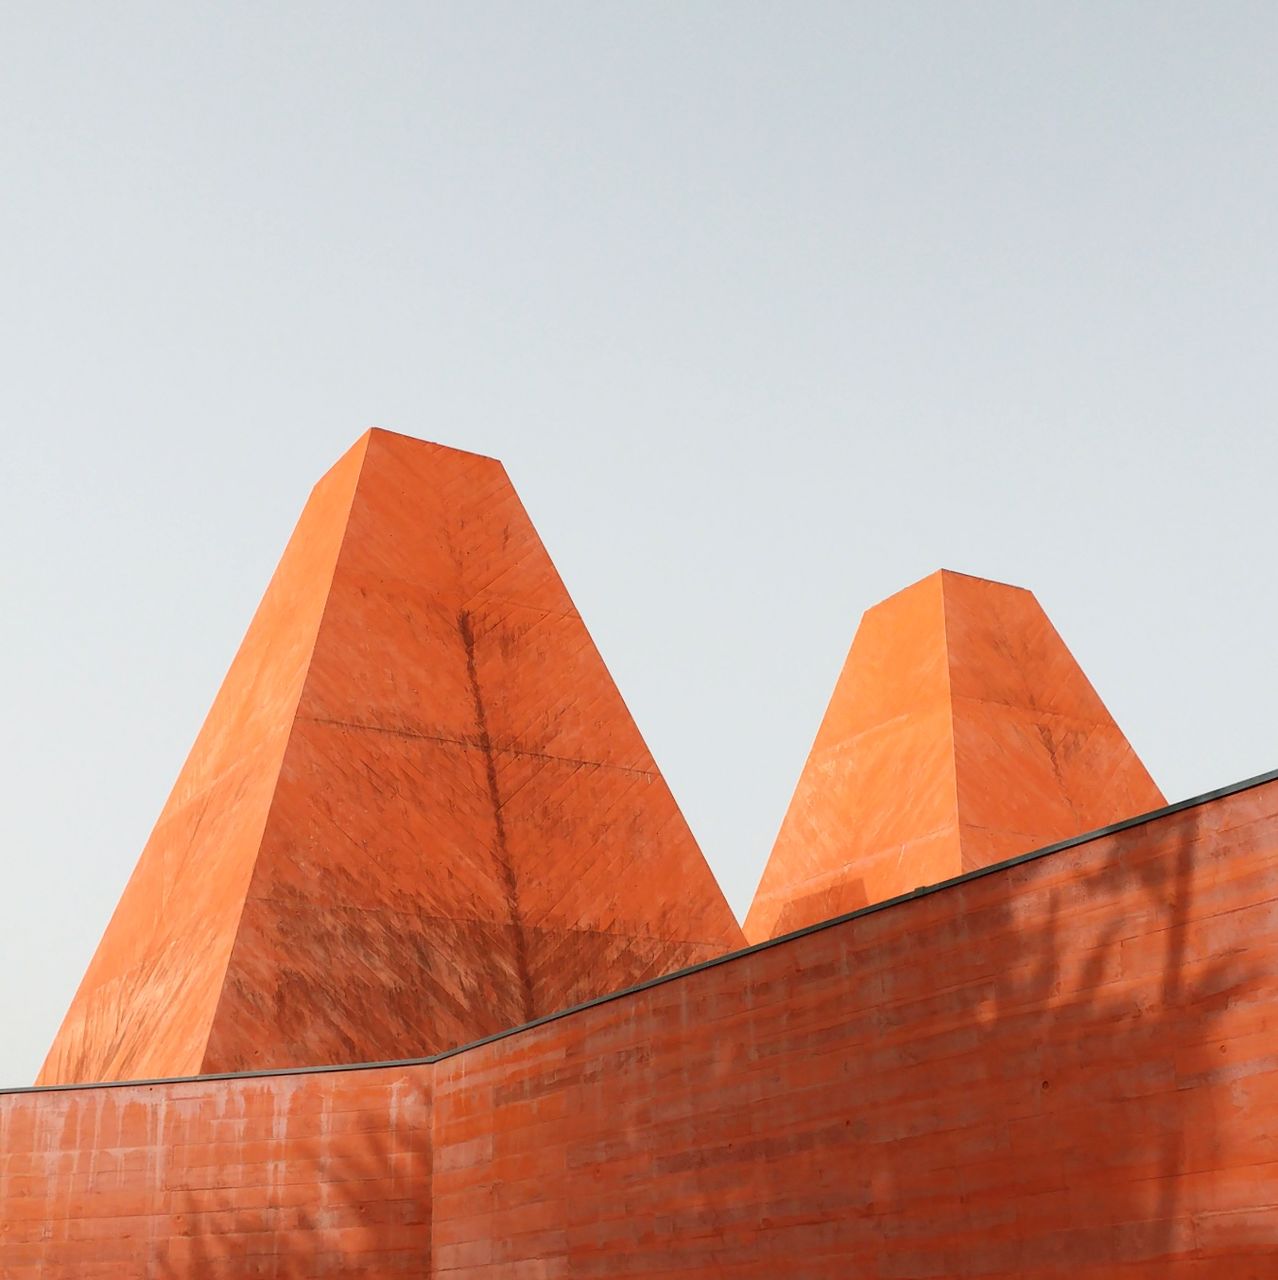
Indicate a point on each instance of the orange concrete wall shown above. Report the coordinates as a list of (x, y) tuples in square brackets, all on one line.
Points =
[(1062, 1068), (305, 1175)]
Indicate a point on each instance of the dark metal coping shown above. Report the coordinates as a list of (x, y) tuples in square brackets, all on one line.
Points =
[(922, 892)]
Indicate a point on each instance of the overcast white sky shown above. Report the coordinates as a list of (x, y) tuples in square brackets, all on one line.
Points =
[(770, 309)]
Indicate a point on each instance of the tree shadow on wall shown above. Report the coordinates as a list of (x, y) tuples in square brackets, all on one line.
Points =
[(1114, 1036), (1095, 1002), (332, 1191)]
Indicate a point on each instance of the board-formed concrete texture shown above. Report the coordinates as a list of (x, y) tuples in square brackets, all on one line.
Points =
[(419, 815), (1061, 1067), (418, 812), (961, 732)]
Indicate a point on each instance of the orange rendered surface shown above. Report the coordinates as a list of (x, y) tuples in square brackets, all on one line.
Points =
[(418, 813), (1060, 1068), (961, 732)]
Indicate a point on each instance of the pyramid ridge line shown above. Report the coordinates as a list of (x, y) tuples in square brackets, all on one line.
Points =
[(346, 507)]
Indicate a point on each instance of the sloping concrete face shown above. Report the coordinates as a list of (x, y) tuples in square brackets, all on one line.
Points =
[(446, 822), (146, 1003), (1060, 1068), (875, 804), (1037, 757), (961, 732)]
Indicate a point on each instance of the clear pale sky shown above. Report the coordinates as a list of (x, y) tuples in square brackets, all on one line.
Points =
[(769, 309)]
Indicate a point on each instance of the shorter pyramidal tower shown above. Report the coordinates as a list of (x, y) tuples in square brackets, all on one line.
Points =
[(418, 812), (961, 732)]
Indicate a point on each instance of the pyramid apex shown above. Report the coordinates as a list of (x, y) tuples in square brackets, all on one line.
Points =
[(948, 580), (399, 439), (959, 578)]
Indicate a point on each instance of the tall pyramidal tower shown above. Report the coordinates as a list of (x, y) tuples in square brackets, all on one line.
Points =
[(961, 732), (418, 812)]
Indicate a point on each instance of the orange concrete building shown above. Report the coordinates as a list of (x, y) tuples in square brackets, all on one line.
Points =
[(417, 814), (422, 973)]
